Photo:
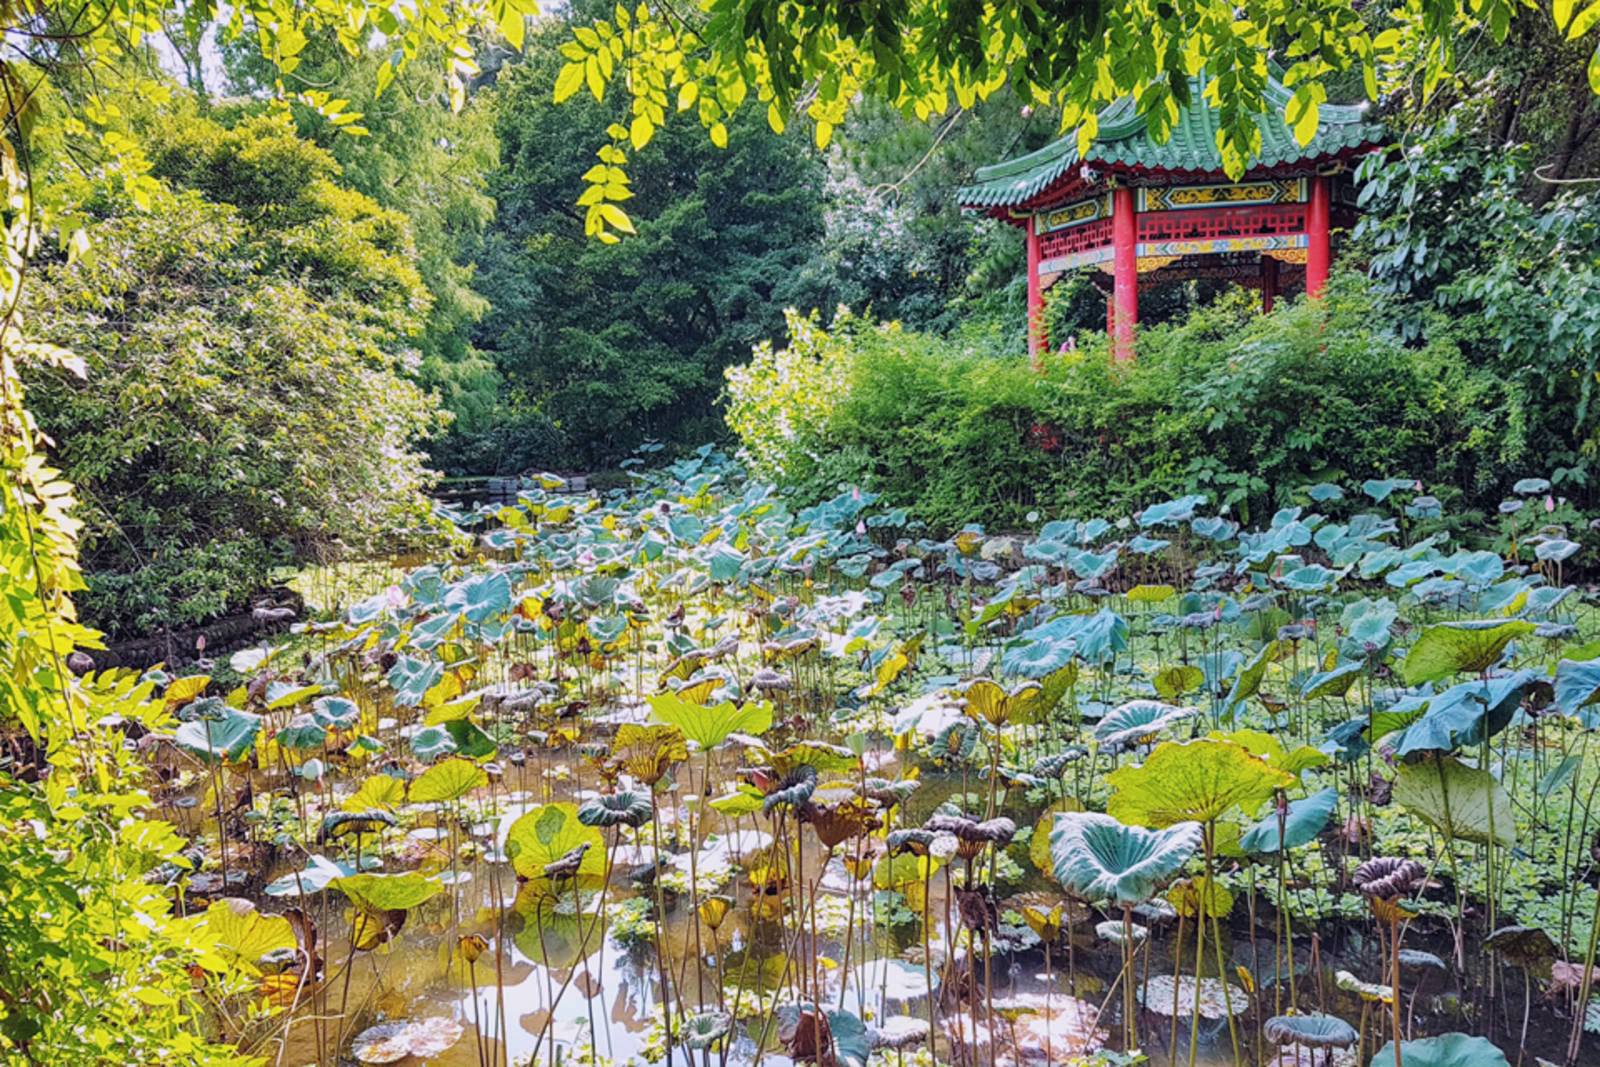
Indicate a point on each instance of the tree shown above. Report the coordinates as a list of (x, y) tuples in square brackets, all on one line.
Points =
[(609, 345), (247, 399)]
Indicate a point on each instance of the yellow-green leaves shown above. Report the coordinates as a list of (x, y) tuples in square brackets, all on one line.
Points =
[(1200, 781)]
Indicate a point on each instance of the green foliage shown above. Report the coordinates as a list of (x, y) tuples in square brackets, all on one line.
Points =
[(605, 345), (1244, 407), (1517, 280), (246, 334)]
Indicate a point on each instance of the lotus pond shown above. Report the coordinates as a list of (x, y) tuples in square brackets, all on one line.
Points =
[(690, 774)]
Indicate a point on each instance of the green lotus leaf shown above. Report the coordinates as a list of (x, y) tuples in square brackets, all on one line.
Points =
[(1460, 801), (303, 734), (1445, 1050), (1527, 947), (340, 823), (340, 713), (480, 597), (411, 678), (470, 740), (1096, 857), (1177, 680), (1470, 647), (286, 694), (1312, 1031), (449, 780), (544, 835), (845, 1032), (1331, 683), (431, 742), (1200, 781), (388, 892), (710, 727), (1304, 821), (319, 874), (744, 800), (631, 807), (1577, 687), (224, 740), (1248, 682), (701, 1031), (1136, 719), (244, 934)]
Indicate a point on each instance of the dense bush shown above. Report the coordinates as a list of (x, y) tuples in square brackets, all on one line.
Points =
[(1243, 406), (245, 330)]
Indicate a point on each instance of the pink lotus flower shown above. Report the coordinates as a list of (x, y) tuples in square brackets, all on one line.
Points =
[(1549, 502)]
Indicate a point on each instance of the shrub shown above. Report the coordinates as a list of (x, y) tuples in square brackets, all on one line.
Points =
[(1225, 401)]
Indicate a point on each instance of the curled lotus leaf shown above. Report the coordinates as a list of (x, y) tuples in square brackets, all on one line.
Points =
[(1387, 877), (996, 706), (826, 1038), (569, 864), (648, 752), (1313, 1031), (792, 790), (304, 733), (629, 807), (1113, 931), (887, 794), (1138, 719), (913, 841), (971, 833), (1416, 959), (704, 1030), (339, 823), (837, 818), (1368, 991), (1056, 764), (1527, 947), (1096, 857)]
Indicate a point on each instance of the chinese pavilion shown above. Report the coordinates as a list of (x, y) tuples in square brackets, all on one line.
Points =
[(1147, 212)]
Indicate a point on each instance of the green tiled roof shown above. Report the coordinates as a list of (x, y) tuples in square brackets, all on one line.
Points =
[(1124, 140)]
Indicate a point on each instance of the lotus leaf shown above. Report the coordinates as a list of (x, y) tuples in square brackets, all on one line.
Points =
[(388, 892), (1217, 999), (1460, 801), (1313, 1031), (1096, 857), (1200, 781), (1445, 1050), (339, 713), (1138, 719), (1305, 819), (449, 780), (826, 1038), (393, 1042), (244, 934), (630, 807), (1470, 647), (546, 834), (225, 740), (411, 678), (710, 727)]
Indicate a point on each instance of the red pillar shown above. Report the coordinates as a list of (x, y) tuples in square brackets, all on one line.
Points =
[(1036, 335), (1269, 283), (1125, 291), (1319, 252)]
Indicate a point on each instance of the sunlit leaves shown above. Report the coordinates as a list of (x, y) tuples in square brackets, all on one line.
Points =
[(1448, 648), (541, 837), (1200, 781), (1460, 801)]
